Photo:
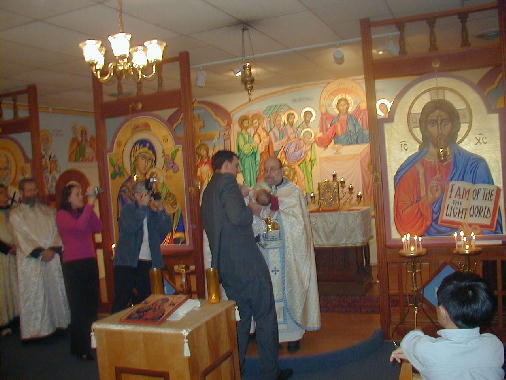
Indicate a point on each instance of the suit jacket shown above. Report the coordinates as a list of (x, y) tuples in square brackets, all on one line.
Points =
[(227, 221), (131, 234)]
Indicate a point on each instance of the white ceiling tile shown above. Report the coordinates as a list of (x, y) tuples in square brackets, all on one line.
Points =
[(105, 23), (335, 11), (11, 69), (33, 56), (9, 19), (50, 36), (296, 30), (53, 77), (207, 54), (249, 11), (40, 9), (403, 8), (230, 39), (182, 17)]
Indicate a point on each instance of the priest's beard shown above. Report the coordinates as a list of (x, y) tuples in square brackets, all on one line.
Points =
[(30, 201)]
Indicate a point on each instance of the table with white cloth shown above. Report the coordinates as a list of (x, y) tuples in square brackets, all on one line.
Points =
[(341, 240)]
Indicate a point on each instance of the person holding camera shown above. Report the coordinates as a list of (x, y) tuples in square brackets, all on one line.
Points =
[(143, 225), (76, 224)]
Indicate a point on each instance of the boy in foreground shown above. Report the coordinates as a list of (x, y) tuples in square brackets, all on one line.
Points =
[(464, 305)]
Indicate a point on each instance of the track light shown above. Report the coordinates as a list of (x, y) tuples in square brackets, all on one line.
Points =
[(200, 80), (338, 56)]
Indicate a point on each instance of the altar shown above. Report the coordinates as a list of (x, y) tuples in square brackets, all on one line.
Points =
[(128, 351), (341, 241)]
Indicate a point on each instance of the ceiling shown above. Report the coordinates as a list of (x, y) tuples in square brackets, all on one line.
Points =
[(294, 39)]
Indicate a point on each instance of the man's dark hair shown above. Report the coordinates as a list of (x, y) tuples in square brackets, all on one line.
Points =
[(467, 299), (3, 187), (441, 105), (24, 181), (220, 157)]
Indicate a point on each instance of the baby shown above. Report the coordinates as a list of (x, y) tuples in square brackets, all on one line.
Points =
[(263, 197)]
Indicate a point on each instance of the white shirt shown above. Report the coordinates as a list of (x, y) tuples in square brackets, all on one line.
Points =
[(460, 354), (145, 253)]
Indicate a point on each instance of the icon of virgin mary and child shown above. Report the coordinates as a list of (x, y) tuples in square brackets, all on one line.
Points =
[(143, 166)]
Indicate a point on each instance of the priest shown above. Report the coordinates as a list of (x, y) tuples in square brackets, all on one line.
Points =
[(289, 253), (8, 275), (42, 298)]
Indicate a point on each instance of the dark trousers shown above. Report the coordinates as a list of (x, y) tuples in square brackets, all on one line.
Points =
[(257, 300), (126, 279), (81, 282)]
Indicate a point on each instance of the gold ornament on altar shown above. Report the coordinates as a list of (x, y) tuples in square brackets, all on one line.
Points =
[(335, 195)]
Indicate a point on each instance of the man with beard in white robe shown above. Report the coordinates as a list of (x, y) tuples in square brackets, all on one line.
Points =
[(8, 273), (42, 298), (289, 254)]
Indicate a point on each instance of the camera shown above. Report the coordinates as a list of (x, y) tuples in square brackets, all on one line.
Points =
[(149, 185), (97, 190)]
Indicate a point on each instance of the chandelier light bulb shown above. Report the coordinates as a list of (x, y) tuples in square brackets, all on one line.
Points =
[(154, 50), (91, 50), (139, 58), (120, 43)]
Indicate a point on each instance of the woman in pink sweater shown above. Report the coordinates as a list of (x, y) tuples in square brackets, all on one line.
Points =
[(76, 224)]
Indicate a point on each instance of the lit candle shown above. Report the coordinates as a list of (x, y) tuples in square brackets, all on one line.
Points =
[(416, 242), (334, 176), (461, 242), (473, 240), (412, 248), (403, 239), (455, 237), (467, 248), (420, 242)]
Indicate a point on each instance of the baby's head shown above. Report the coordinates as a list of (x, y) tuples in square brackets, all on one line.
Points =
[(466, 300), (263, 197)]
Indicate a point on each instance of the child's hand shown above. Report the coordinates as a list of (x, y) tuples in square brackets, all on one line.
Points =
[(397, 355), (244, 190)]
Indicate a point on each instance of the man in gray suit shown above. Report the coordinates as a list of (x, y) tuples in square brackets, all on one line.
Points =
[(242, 269)]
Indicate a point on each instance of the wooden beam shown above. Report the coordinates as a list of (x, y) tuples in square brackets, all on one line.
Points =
[(19, 125), (463, 59), (104, 203), (142, 103), (33, 112), (438, 14), (191, 171), (370, 93)]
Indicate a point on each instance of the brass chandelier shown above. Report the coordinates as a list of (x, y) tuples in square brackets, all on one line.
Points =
[(247, 78), (139, 62)]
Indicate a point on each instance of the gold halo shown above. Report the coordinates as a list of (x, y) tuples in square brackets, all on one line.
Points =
[(285, 116), (310, 109), (412, 120), (44, 133), (12, 164), (340, 96), (386, 102), (144, 136)]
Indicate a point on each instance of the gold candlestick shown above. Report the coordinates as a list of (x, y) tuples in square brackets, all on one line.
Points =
[(213, 285), (156, 281)]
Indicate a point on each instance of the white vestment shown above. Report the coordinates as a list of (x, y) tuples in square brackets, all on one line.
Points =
[(9, 305), (42, 298), (289, 253)]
